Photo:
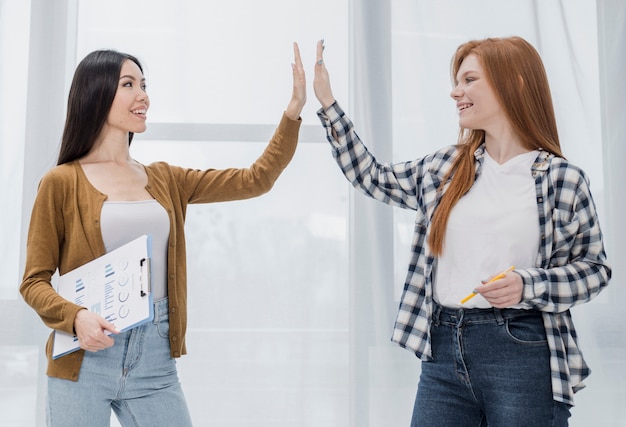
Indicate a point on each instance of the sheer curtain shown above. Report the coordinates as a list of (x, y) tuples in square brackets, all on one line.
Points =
[(314, 269), (14, 26), (18, 382), (402, 110), (31, 84), (268, 296)]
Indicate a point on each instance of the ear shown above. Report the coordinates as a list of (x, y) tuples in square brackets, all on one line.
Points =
[(520, 80)]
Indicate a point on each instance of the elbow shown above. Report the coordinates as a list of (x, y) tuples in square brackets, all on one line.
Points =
[(265, 186)]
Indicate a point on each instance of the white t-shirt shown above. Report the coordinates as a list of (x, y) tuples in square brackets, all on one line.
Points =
[(494, 226)]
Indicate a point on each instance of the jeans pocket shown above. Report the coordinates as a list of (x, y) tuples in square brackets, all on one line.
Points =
[(527, 330), (163, 326)]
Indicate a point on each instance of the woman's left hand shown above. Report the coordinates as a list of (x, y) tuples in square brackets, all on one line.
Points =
[(298, 95), (503, 293)]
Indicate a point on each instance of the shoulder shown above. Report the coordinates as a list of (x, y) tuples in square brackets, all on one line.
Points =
[(166, 173), (60, 175), (163, 169), (57, 184), (569, 184), (449, 151), (158, 167), (441, 160), (566, 174)]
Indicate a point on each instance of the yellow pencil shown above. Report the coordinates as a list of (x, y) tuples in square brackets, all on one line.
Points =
[(499, 276)]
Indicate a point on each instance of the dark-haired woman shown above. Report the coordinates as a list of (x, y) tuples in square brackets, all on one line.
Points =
[(502, 197), (98, 198)]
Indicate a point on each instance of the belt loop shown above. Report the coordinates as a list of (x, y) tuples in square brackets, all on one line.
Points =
[(461, 315), (436, 313), (499, 319)]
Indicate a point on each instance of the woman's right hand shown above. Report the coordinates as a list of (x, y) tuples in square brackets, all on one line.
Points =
[(321, 80), (90, 327)]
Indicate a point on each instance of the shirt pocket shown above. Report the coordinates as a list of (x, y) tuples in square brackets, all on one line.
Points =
[(566, 226)]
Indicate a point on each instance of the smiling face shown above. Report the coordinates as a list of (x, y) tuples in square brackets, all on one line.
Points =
[(477, 104), (131, 102)]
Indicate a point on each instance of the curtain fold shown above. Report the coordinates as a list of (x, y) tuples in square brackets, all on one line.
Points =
[(399, 85)]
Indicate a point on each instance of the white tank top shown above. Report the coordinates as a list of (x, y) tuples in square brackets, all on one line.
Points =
[(122, 222), (495, 225)]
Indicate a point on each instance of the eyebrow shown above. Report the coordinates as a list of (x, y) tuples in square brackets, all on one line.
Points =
[(464, 74), (469, 71), (128, 76)]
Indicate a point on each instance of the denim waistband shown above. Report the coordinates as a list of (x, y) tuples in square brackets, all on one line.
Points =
[(161, 309), (460, 315)]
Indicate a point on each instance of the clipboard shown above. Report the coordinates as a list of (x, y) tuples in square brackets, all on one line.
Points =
[(116, 286)]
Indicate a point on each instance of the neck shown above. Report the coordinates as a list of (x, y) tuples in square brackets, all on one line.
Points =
[(109, 148), (504, 147)]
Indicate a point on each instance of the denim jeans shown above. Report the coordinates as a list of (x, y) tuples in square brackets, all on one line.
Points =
[(490, 367), (136, 378)]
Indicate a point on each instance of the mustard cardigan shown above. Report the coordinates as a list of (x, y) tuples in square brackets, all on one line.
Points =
[(64, 231)]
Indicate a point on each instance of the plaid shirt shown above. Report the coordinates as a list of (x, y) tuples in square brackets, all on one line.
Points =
[(570, 268)]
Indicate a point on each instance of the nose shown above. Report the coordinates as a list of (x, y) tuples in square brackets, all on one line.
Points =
[(142, 96), (456, 93)]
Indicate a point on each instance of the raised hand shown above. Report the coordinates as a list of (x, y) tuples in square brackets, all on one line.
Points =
[(321, 80), (298, 95)]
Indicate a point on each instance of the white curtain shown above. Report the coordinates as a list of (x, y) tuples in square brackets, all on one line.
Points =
[(334, 365), (14, 36), (401, 107)]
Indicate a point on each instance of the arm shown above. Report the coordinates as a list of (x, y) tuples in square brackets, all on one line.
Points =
[(44, 248), (394, 184), (43, 252), (211, 185), (576, 269), (221, 185)]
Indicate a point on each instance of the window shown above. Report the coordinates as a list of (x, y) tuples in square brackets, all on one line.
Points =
[(268, 288)]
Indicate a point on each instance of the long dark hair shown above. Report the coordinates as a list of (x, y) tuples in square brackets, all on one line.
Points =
[(517, 75), (91, 95)]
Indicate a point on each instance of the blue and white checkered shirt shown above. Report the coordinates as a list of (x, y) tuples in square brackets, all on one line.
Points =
[(571, 266)]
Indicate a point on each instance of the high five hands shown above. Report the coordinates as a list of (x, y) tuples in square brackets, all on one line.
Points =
[(321, 83)]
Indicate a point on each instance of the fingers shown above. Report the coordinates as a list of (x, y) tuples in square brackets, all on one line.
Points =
[(91, 330), (494, 289), (95, 341), (321, 80), (298, 68), (108, 326), (502, 293), (319, 59), (298, 95), (296, 55)]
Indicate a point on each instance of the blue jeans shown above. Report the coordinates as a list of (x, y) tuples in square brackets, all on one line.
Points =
[(490, 367), (136, 378)]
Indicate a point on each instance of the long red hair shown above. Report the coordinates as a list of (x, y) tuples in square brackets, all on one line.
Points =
[(516, 73)]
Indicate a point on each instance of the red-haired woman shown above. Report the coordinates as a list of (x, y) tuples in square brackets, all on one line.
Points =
[(503, 196)]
